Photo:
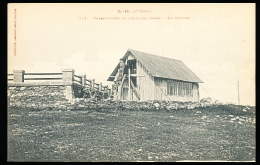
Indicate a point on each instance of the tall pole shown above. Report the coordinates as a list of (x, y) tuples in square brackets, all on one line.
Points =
[(238, 92)]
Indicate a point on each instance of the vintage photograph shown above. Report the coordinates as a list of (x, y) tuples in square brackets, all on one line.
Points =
[(158, 82)]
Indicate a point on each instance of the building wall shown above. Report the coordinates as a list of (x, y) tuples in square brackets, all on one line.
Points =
[(124, 91), (150, 88), (145, 84), (196, 96), (161, 92)]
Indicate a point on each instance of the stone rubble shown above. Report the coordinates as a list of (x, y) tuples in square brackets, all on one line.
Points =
[(54, 98)]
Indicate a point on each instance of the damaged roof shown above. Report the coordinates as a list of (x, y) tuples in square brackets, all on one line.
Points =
[(161, 67)]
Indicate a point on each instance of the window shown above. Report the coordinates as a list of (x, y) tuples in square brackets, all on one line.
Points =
[(132, 66), (186, 89), (171, 90), (175, 88), (168, 88), (183, 88), (190, 93), (171, 87), (179, 89), (191, 89)]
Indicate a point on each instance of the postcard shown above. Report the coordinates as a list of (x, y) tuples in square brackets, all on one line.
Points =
[(131, 82)]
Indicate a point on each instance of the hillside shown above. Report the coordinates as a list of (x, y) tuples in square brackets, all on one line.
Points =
[(214, 133)]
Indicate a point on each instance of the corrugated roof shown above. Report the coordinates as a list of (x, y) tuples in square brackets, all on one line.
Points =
[(162, 67)]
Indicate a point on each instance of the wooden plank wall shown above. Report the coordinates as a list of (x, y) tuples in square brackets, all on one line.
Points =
[(150, 88), (161, 92), (125, 92), (145, 85), (195, 92)]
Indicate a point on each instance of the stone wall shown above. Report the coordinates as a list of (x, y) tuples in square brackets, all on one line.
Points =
[(58, 97), (37, 97)]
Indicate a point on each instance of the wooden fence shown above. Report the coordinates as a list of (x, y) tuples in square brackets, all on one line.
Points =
[(67, 77)]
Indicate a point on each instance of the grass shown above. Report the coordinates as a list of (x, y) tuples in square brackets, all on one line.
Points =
[(119, 135)]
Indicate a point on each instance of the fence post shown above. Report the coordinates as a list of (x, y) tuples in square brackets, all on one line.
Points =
[(99, 86), (92, 84), (105, 88), (109, 92), (67, 78), (83, 79), (18, 75)]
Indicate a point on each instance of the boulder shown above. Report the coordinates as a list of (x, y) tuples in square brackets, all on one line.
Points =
[(18, 103), (217, 102), (206, 100), (20, 94), (157, 105), (17, 88)]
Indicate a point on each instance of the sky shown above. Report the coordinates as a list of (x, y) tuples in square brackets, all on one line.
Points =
[(216, 41)]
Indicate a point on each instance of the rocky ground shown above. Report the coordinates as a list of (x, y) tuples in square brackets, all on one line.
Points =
[(114, 131)]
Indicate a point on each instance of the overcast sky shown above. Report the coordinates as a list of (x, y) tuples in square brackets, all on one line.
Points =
[(217, 42)]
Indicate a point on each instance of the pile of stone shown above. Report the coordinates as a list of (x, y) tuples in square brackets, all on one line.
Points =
[(54, 97), (81, 103), (93, 94)]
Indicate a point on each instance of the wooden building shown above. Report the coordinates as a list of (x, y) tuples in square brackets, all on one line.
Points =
[(142, 76)]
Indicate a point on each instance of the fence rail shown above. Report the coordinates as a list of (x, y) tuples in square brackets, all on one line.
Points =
[(8, 77), (77, 81), (78, 76), (42, 78), (68, 77), (96, 86), (42, 74)]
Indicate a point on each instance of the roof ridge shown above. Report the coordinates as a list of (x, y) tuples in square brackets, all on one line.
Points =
[(153, 54)]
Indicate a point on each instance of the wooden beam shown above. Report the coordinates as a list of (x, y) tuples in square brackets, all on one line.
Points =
[(134, 90), (117, 74), (135, 75), (120, 88)]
